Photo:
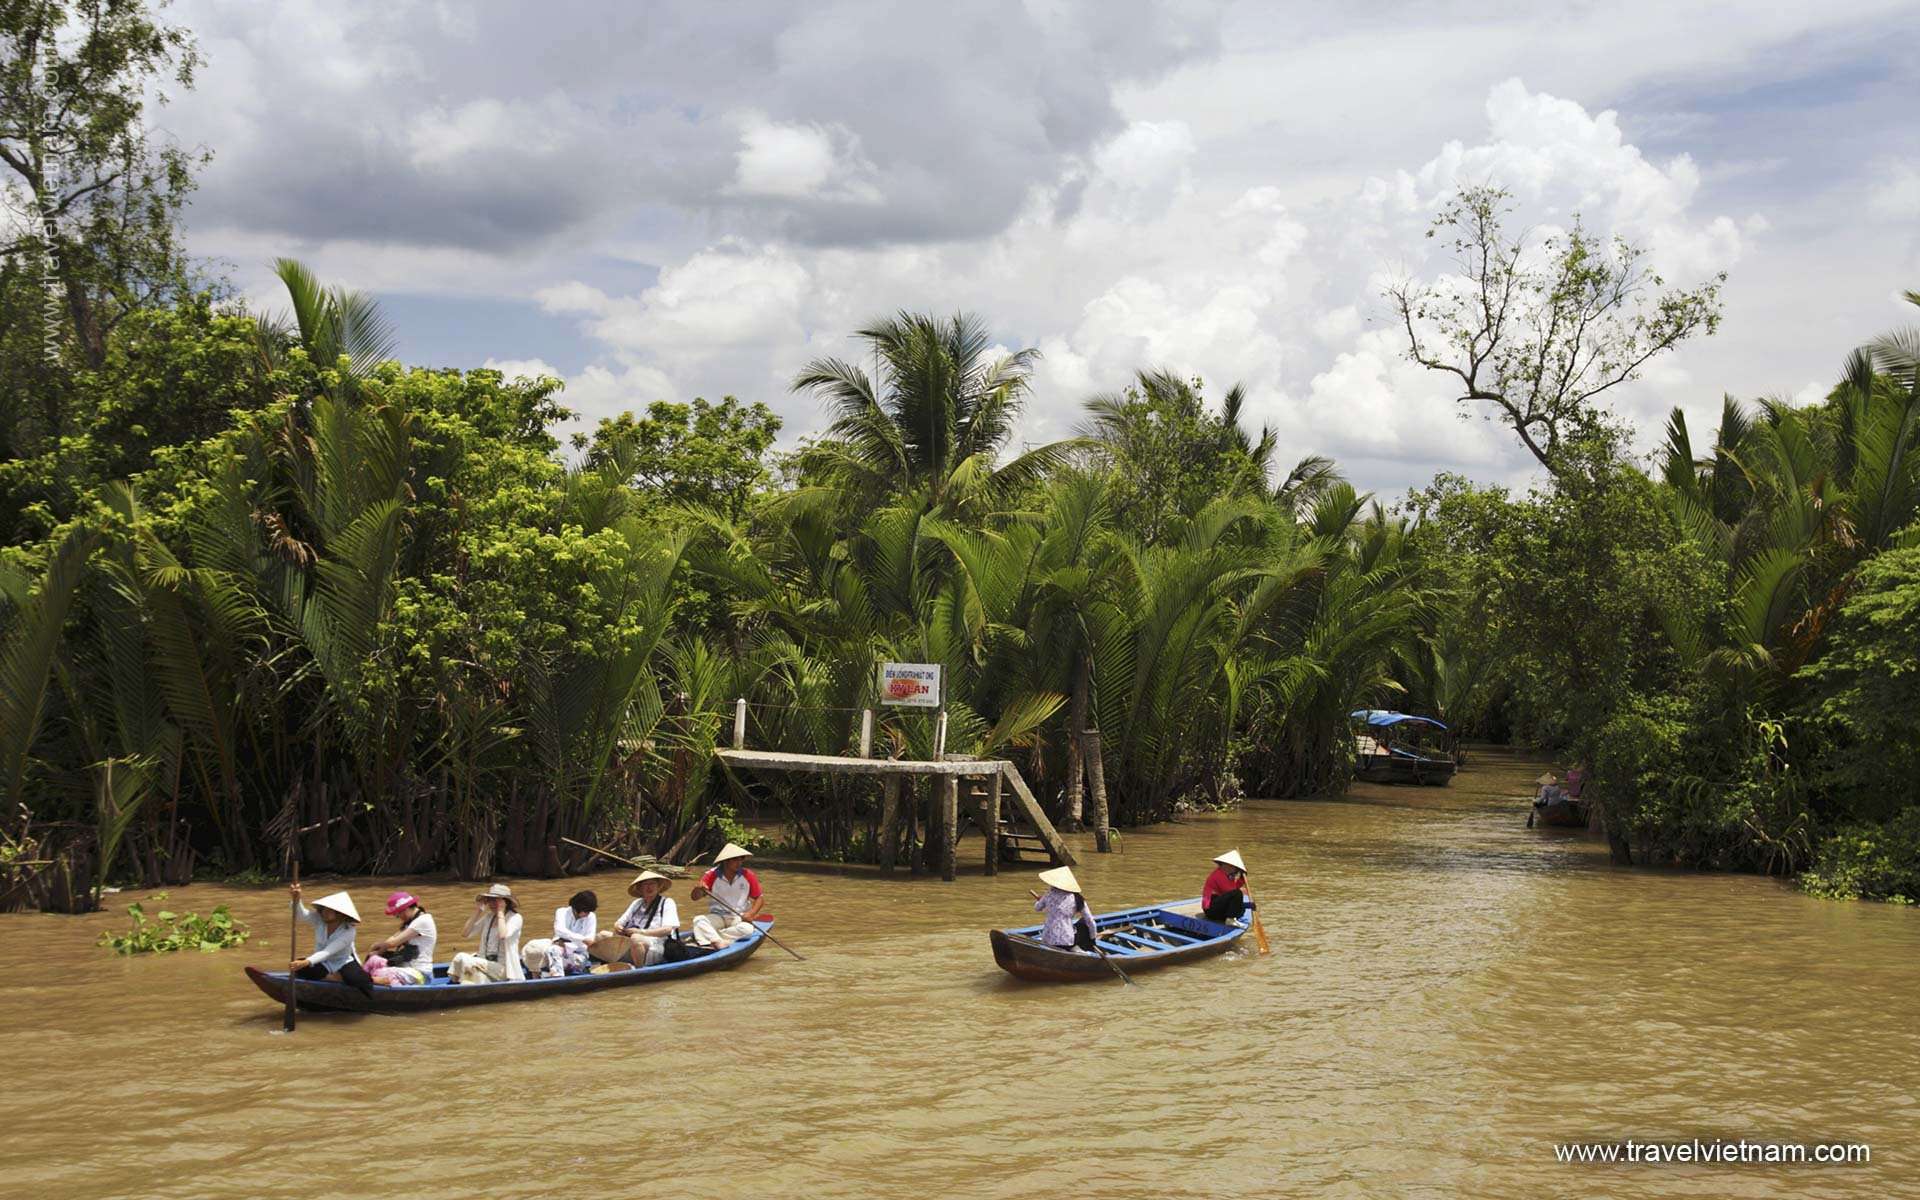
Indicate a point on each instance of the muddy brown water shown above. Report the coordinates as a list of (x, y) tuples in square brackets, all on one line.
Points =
[(1450, 994)]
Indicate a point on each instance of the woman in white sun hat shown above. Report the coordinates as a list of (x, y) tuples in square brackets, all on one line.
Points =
[(734, 895), (334, 920), (1069, 924), (496, 922), (1223, 897)]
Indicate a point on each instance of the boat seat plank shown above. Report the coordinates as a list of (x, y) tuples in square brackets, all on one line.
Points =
[(1165, 936)]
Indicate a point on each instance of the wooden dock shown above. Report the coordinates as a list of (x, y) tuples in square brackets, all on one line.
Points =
[(985, 783)]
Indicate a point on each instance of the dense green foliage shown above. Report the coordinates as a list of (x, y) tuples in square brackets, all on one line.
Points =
[(307, 586), (264, 588), (1730, 640)]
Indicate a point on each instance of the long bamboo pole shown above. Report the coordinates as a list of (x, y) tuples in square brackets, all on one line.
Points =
[(293, 940), (766, 933)]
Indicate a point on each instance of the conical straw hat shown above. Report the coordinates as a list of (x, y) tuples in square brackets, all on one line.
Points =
[(341, 903), (1231, 859), (1548, 778), (1062, 878), (730, 850), (633, 889)]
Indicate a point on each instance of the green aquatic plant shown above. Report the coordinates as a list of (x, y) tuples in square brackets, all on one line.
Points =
[(166, 931)]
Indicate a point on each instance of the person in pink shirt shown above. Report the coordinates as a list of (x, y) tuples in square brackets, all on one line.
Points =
[(1224, 898)]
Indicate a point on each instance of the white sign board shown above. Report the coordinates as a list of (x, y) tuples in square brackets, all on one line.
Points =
[(916, 685)]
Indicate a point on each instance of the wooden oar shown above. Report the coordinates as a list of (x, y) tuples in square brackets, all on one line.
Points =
[(293, 944), (1111, 965), (1259, 930), (766, 933)]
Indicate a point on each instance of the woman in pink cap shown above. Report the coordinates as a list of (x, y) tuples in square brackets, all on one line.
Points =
[(406, 958)]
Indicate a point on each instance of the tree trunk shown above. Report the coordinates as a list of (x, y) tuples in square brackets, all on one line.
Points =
[(1076, 722), (1097, 776)]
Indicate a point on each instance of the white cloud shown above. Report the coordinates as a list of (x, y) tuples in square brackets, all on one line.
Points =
[(1212, 188), (800, 162), (1233, 286), (1897, 195)]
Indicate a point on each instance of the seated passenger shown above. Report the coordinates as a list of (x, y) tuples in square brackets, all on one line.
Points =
[(565, 953), (1069, 925), (496, 922), (406, 958), (1223, 897), (639, 937), (735, 897), (334, 919)]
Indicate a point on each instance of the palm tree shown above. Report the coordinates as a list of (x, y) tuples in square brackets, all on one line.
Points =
[(341, 329), (1790, 502), (932, 415)]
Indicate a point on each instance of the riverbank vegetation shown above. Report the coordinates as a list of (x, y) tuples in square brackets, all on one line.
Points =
[(259, 577)]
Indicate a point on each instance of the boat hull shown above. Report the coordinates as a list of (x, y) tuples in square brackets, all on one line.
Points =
[(1400, 766), (325, 996), (1135, 939), (1564, 814)]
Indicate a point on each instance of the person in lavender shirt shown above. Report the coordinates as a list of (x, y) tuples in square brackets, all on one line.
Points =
[(1069, 924)]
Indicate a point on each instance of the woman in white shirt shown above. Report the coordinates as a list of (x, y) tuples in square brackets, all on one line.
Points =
[(334, 918), (496, 922), (406, 958), (565, 953), (639, 937)]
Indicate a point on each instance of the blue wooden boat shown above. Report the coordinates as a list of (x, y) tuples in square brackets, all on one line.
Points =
[(1159, 935), (1395, 747), (338, 997)]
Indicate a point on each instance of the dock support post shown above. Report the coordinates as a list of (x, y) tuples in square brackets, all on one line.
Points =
[(993, 824), (740, 723), (866, 733), (916, 831), (889, 822), (1097, 776), (949, 825), (940, 736)]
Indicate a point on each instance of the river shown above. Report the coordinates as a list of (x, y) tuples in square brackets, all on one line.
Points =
[(1449, 995)]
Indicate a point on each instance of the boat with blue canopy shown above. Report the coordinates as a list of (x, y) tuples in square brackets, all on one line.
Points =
[(1158, 935), (443, 993), (1397, 747)]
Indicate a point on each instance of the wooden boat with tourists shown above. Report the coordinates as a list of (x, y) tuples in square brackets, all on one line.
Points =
[(338, 997), (1396, 747), (1559, 803), (1159, 935), (1564, 814)]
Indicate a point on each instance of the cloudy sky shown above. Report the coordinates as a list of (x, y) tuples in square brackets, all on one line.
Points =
[(662, 201)]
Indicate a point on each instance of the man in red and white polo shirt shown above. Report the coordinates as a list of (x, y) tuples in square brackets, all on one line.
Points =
[(733, 895)]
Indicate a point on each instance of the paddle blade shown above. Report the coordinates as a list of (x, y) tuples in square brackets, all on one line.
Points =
[(1260, 935)]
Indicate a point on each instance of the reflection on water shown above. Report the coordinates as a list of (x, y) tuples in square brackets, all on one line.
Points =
[(1450, 993)]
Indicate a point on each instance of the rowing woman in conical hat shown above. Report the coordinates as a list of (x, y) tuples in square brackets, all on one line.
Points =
[(1069, 923), (733, 896), (334, 920), (1223, 897)]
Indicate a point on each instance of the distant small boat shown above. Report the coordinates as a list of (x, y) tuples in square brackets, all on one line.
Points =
[(1396, 747), (338, 997), (1160, 935)]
